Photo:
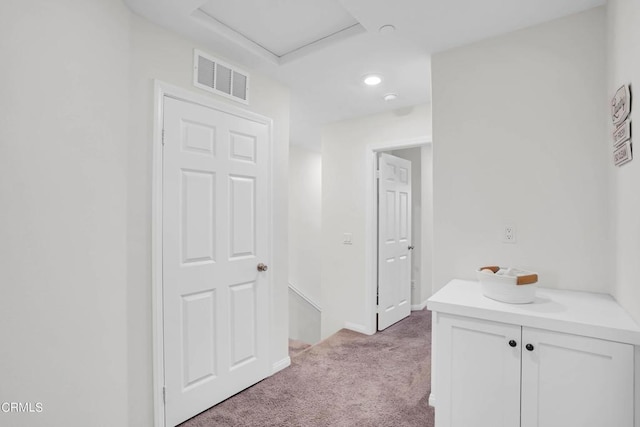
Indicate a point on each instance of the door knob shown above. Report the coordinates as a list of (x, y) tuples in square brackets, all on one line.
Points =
[(529, 347), (410, 248), (513, 343), (262, 267)]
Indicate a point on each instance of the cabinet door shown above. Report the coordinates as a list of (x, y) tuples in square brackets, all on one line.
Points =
[(478, 373), (575, 381)]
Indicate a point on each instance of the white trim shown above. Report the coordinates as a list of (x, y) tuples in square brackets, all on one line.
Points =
[(419, 307), (637, 385), (239, 39), (432, 400), (360, 328), (316, 45), (234, 36), (305, 297), (399, 145), (371, 219), (161, 90), (280, 365), (156, 258)]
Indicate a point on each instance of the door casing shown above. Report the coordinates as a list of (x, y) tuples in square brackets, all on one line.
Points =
[(162, 89)]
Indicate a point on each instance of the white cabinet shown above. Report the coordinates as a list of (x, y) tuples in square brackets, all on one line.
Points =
[(571, 380), (567, 360), (478, 373)]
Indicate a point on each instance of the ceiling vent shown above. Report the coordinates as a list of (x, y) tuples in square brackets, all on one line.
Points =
[(213, 75)]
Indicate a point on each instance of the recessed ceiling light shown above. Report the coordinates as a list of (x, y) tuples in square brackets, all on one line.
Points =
[(372, 80), (387, 29), (390, 97)]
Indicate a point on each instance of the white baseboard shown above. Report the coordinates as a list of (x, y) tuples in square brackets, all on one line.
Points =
[(432, 400), (358, 328), (280, 365), (420, 306)]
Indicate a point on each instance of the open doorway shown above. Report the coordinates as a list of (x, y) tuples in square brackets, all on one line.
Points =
[(419, 152)]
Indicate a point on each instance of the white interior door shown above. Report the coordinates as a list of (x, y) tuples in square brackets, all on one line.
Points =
[(215, 233), (394, 240), (575, 381)]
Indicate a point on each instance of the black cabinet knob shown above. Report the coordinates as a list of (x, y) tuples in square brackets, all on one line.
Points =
[(513, 343), (529, 347)]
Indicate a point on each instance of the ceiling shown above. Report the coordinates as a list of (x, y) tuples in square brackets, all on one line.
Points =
[(321, 49)]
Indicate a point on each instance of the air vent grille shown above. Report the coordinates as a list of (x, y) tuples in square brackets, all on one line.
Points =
[(215, 76), (239, 85), (206, 72)]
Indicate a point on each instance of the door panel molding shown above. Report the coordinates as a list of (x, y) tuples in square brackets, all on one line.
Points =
[(202, 144), (394, 238)]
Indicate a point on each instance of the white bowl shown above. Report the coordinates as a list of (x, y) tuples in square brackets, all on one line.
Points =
[(505, 288)]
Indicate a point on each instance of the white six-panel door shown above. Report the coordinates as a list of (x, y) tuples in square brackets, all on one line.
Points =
[(394, 240), (215, 233)]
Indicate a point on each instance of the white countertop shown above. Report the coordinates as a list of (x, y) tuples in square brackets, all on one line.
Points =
[(582, 313)]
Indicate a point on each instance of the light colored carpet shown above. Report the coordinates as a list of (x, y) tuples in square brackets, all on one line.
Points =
[(349, 379), (296, 347)]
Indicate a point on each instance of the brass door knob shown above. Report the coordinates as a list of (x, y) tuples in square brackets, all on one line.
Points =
[(262, 267)]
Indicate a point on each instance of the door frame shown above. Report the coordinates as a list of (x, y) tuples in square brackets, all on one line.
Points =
[(160, 90), (371, 222)]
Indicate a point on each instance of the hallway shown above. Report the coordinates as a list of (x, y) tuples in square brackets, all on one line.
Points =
[(349, 379)]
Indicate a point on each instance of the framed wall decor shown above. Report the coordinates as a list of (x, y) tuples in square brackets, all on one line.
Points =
[(622, 133), (622, 154), (621, 105)]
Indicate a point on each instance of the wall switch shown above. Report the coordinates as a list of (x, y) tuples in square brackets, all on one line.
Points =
[(509, 235), (346, 239)]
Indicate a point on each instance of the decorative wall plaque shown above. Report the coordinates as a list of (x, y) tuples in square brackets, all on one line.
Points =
[(621, 105), (622, 154), (622, 133)]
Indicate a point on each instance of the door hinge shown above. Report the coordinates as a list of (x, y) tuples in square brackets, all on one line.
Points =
[(164, 395), (162, 136), (378, 174)]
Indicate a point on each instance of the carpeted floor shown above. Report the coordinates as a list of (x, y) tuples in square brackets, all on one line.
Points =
[(347, 380), (296, 347)]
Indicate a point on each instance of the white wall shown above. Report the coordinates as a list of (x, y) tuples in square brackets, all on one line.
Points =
[(63, 253), (623, 67), (76, 102), (519, 139), (623, 39), (304, 319), (160, 54), (426, 289), (305, 258), (305, 217), (344, 179)]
